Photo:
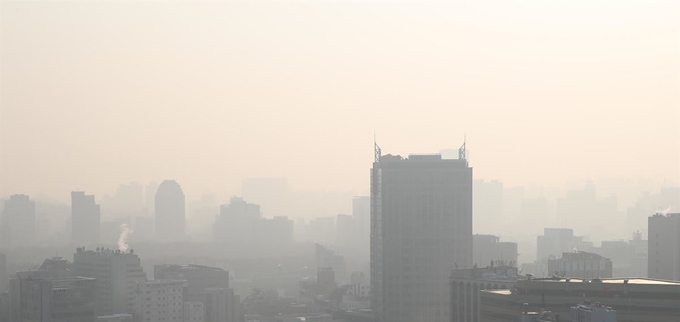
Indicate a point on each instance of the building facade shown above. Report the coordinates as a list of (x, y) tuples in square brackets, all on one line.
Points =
[(194, 311), (170, 212), (85, 219), (17, 225), (592, 312), (581, 265), (487, 249), (467, 283), (664, 246), (159, 301), (116, 274), (222, 305), (52, 299), (199, 278), (421, 229)]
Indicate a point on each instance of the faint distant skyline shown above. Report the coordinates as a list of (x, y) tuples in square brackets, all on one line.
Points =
[(96, 95)]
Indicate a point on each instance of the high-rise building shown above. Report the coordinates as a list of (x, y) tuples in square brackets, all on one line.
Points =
[(222, 305), (52, 299), (421, 229), (169, 212), (159, 301), (116, 272), (4, 279), (85, 219), (664, 246), (17, 228)]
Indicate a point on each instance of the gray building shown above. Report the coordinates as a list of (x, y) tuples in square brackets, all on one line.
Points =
[(4, 278), (664, 247), (85, 219), (466, 284), (52, 299), (581, 265), (116, 273), (17, 225), (198, 277), (222, 305), (170, 212), (489, 248), (421, 229)]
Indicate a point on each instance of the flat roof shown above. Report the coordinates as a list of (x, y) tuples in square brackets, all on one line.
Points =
[(636, 280)]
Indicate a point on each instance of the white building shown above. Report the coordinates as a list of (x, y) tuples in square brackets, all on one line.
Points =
[(588, 312), (193, 311), (116, 274), (159, 301), (358, 295)]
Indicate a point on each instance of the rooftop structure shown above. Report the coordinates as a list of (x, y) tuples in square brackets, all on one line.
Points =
[(592, 312)]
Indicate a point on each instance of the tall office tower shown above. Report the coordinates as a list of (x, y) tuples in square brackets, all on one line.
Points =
[(4, 279), (116, 272), (85, 219), (222, 305), (664, 246), (159, 300), (18, 222), (170, 212), (52, 299), (421, 229)]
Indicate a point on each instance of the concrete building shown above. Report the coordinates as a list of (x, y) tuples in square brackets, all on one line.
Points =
[(169, 212), (199, 278), (116, 273), (581, 265), (468, 282), (52, 300), (358, 295), (4, 278), (85, 219), (17, 227), (237, 221), (159, 301), (489, 248), (222, 305), (194, 311), (636, 299), (421, 229), (328, 258), (361, 214), (592, 312), (664, 246)]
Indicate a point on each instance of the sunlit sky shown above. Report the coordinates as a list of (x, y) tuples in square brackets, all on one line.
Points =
[(98, 94)]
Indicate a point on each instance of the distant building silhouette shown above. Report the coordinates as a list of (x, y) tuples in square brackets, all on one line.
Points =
[(67, 299), (421, 228), (85, 219), (489, 248), (4, 278), (18, 222), (237, 221), (169, 212), (581, 265), (664, 246)]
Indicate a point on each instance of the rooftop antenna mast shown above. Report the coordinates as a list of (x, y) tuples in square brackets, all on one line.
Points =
[(376, 150), (461, 150)]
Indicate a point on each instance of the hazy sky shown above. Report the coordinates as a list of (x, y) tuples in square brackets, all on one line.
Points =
[(98, 94)]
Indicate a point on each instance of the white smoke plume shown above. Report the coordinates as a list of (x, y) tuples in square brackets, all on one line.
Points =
[(125, 231), (666, 211)]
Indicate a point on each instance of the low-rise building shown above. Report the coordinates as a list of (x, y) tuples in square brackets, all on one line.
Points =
[(636, 299), (592, 312), (52, 299), (581, 265), (467, 283)]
